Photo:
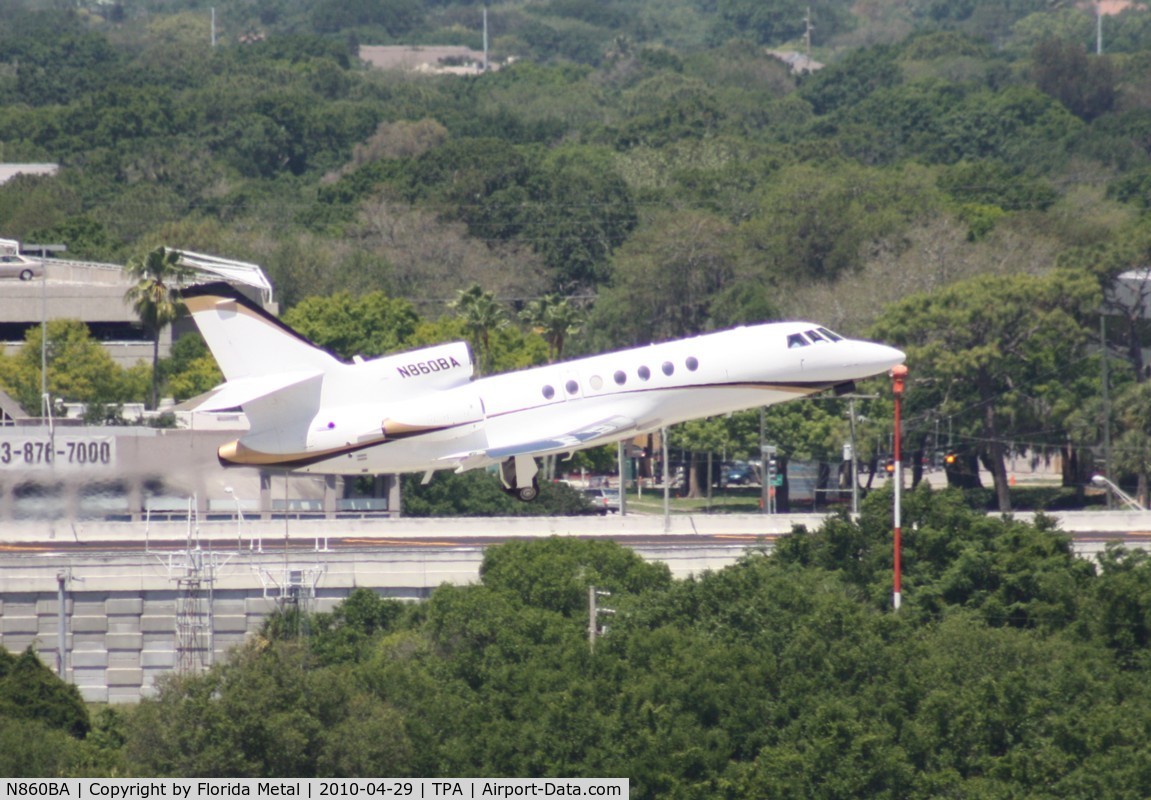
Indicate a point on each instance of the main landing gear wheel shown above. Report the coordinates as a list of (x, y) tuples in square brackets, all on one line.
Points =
[(518, 476)]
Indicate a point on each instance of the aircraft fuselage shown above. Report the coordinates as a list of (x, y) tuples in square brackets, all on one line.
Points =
[(562, 407)]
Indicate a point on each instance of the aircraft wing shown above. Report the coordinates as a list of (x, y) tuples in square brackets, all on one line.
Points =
[(607, 429), (568, 440)]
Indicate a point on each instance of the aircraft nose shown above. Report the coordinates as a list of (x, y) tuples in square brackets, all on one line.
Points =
[(879, 358), (888, 357)]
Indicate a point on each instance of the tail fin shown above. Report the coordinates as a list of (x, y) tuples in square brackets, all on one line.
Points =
[(246, 340)]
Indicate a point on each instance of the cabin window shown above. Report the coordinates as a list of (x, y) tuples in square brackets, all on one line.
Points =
[(796, 340), (596, 382), (692, 363), (549, 393), (644, 373), (572, 387), (668, 368), (620, 377)]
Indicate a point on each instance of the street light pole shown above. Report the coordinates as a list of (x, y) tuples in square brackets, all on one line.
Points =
[(44, 250), (239, 517), (1102, 480)]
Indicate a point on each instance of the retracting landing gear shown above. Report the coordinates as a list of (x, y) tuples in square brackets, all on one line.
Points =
[(518, 475)]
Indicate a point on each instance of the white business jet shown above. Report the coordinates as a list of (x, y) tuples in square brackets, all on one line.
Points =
[(423, 411)]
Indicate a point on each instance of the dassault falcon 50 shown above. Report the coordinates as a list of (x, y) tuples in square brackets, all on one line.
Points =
[(424, 410)]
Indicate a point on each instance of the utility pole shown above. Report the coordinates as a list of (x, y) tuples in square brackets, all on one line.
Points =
[(485, 37), (61, 624), (621, 463), (764, 480), (1106, 381), (898, 380), (666, 482), (851, 398), (807, 29), (1098, 29)]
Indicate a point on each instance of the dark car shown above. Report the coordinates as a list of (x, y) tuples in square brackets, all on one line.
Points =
[(738, 474), (606, 501)]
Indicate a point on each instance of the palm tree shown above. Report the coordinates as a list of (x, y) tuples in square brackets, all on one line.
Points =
[(481, 315), (554, 318), (155, 298)]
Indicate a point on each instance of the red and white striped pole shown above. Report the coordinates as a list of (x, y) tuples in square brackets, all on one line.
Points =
[(898, 377)]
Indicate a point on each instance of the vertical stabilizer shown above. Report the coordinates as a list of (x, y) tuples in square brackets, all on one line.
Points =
[(247, 341)]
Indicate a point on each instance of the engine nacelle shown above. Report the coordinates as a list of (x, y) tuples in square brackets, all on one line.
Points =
[(432, 412)]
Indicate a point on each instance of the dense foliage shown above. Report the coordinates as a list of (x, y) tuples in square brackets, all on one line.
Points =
[(965, 179), (45, 728), (1014, 668)]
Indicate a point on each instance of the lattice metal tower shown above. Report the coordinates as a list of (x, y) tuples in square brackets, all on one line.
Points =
[(194, 571), (194, 626)]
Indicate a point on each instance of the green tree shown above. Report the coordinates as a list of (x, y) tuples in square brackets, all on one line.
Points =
[(482, 315), (1123, 298), (344, 634), (813, 224), (702, 438), (1131, 451), (998, 356), (369, 325), (191, 369), (32, 749), (581, 211), (30, 691), (80, 369), (477, 493), (849, 81), (672, 278), (155, 299), (1085, 85), (554, 318), (554, 573), (778, 21), (1121, 605), (1018, 125)]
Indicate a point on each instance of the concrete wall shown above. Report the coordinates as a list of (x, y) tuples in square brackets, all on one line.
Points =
[(126, 615), (123, 603)]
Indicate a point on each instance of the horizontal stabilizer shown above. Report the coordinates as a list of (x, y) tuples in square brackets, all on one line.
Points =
[(238, 392)]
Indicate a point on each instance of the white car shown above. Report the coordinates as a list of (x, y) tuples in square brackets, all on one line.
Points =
[(605, 500), (15, 266)]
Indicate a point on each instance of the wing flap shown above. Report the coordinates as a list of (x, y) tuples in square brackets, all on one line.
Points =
[(599, 432)]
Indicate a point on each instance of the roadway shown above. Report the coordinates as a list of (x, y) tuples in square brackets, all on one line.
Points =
[(1091, 532)]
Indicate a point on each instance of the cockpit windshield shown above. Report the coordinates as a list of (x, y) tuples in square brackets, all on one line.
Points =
[(816, 336)]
